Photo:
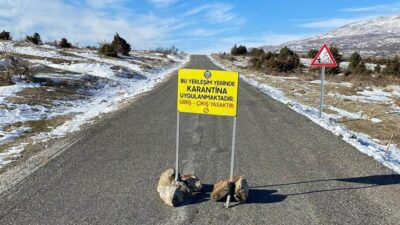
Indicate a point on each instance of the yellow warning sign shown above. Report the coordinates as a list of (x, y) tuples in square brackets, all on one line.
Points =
[(211, 92)]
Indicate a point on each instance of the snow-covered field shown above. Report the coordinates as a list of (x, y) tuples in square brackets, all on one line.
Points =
[(97, 84), (388, 155)]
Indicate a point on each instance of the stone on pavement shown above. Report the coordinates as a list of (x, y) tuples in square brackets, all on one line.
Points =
[(241, 190), (166, 178), (171, 195), (220, 190), (193, 182)]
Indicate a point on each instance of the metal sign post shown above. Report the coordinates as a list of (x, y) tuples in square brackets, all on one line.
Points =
[(232, 162), (321, 100), (177, 147)]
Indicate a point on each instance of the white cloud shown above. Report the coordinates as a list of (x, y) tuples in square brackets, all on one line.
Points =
[(215, 12), (104, 3), (382, 8), (54, 19), (201, 32), (162, 3), (331, 23)]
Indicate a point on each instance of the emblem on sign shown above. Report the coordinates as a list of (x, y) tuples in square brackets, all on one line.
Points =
[(207, 74)]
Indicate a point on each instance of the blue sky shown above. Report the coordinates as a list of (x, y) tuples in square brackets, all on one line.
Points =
[(196, 26)]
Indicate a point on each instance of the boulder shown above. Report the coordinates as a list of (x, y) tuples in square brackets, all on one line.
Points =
[(165, 179), (171, 195), (241, 190), (193, 182), (174, 194), (182, 187), (220, 190)]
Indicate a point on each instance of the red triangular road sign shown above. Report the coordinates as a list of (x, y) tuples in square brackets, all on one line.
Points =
[(324, 57)]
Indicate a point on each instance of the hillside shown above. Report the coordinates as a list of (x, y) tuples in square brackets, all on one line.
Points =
[(374, 37), (63, 89)]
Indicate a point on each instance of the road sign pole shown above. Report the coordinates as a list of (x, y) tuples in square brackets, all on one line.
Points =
[(177, 147), (232, 162), (321, 101)]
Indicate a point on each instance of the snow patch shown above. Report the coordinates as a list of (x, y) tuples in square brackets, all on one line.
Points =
[(350, 115), (11, 154), (367, 96)]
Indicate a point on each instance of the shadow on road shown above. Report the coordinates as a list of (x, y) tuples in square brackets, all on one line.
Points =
[(200, 197), (369, 181), (256, 196), (264, 196)]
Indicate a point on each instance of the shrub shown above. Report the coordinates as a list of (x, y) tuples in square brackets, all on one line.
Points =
[(92, 47), (354, 61), (338, 58), (288, 60), (312, 53), (107, 49), (377, 69), (14, 65), (257, 52), (64, 43), (121, 45), (6, 36), (393, 67), (285, 61), (35, 39), (171, 50), (361, 69)]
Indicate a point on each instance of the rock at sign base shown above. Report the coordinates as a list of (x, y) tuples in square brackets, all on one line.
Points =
[(165, 179), (175, 194), (171, 195), (193, 182), (241, 190), (220, 190), (182, 187)]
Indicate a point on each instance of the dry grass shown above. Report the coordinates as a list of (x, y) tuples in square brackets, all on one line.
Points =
[(44, 95)]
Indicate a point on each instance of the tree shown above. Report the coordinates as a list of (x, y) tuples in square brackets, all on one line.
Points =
[(234, 50), (242, 50), (312, 53), (121, 45), (107, 49), (6, 36), (35, 39), (64, 43), (354, 61)]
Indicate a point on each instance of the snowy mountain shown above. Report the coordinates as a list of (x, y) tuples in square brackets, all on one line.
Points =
[(374, 37)]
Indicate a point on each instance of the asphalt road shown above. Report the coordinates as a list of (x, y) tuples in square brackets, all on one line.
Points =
[(298, 172)]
